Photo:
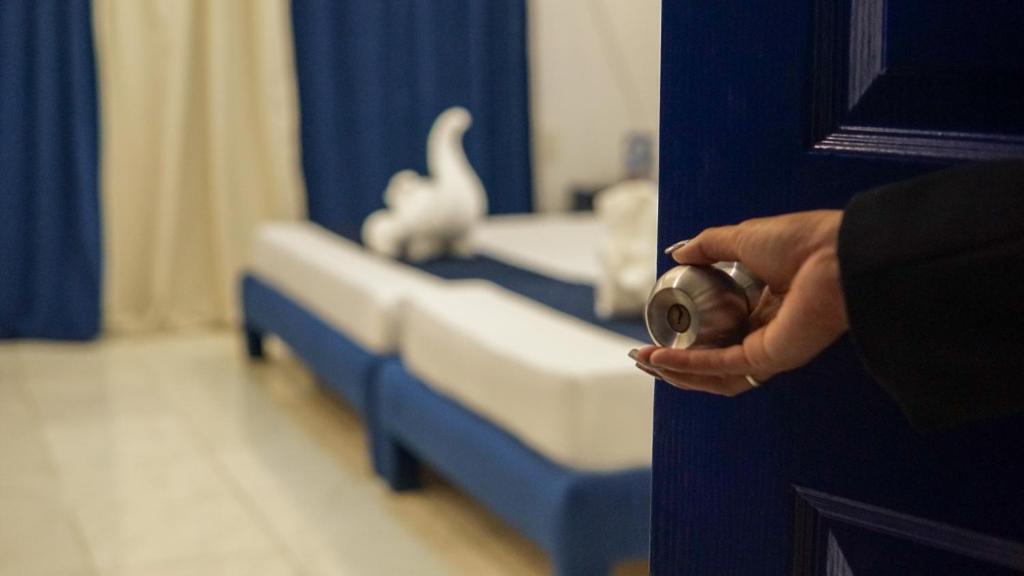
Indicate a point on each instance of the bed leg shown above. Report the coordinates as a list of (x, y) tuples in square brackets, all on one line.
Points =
[(253, 342), (399, 467)]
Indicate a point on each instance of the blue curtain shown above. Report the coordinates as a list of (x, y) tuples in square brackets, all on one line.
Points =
[(49, 208), (373, 75)]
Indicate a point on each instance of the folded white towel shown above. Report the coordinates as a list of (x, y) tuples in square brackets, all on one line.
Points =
[(427, 217), (628, 254)]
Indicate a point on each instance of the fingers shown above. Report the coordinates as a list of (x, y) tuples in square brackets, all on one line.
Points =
[(642, 355), (718, 385), (811, 317), (646, 368), (738, 360), (710, 246), (712, 384), (766, 310)]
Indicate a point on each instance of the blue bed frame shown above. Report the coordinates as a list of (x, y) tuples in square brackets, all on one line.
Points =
[(586, 521)]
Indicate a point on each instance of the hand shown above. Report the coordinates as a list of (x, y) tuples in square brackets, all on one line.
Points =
[(801, 312)]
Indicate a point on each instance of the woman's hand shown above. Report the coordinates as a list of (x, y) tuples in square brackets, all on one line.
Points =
[(801, 312)]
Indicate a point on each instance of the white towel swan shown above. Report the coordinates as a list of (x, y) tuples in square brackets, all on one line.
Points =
[(427, 217)]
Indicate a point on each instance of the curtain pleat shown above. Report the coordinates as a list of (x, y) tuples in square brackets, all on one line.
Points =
[(49, 211), (373, 76), (200, 142)]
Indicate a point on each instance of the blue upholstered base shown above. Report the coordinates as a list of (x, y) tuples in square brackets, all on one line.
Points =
[(342, 366), (587, 521)]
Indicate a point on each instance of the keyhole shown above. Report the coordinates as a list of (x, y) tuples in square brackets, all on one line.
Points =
[(679, 318)]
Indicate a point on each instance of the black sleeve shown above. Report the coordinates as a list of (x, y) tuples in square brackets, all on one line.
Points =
[(933, 273)]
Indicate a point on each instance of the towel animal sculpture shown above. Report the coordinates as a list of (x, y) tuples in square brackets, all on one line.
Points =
[(429, 217), (628, 253)]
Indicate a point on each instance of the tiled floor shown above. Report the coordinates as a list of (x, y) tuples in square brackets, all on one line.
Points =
[(173, 455)]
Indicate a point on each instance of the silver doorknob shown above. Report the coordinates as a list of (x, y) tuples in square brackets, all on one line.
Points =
[(702, 306)]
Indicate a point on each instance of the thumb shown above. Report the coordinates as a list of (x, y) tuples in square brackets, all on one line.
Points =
[(719, 244)]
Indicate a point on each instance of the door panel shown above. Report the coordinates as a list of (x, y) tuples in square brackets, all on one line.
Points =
[(835, 536), (919, 78), (771, 107)]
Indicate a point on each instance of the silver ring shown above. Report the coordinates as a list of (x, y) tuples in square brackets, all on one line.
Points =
[(754, 383)]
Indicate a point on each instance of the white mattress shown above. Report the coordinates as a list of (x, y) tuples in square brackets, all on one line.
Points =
[(562, 246), (351, 289), (562, 386)]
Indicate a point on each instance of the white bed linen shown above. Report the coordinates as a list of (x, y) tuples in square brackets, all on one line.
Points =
[(351, 289), (562, 246), (562, 386)]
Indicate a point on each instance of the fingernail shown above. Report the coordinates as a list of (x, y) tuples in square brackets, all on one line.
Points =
[(644, 367), (634, 354), (677, 246)]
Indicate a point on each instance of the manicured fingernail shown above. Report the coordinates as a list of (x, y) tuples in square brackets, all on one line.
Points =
[(634, 354), (644, 367), (677, 246)]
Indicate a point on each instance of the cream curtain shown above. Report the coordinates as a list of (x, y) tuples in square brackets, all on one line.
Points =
[(200, 143)]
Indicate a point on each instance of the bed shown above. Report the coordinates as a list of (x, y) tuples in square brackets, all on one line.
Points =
[(534, 411)]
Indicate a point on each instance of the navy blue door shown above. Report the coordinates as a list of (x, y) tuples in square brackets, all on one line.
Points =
[(784, 105)]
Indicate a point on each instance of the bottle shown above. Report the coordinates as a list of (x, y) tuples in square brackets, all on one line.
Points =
[(702, 306)]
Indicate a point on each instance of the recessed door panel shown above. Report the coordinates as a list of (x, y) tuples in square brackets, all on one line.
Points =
[(941, 79), (835, 536)]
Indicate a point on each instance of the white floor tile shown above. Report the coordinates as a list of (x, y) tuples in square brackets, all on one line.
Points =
[(174, 455), (248, 564), (337, 522), (38, 537), (127, 535)]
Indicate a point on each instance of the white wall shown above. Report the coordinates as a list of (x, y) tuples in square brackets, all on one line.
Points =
[(594, 78)]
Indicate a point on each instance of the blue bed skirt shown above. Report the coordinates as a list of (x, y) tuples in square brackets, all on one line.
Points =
[(586, 521)]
